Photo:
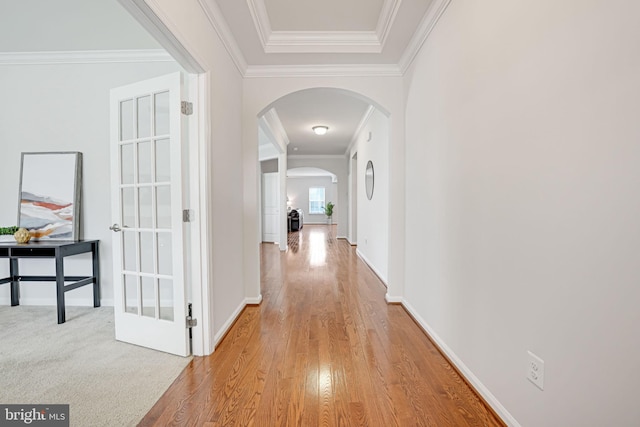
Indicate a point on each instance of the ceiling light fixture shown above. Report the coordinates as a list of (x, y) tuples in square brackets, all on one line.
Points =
[(320, 130)]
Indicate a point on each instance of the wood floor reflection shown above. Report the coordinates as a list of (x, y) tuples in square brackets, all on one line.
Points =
[(323, 349)]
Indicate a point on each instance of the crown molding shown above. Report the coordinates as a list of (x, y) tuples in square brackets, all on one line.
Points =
[(221, 27), (427, 25), (85, 57), (261, 21), (322, 41), (323, 70), (316, 156), (387, 17)]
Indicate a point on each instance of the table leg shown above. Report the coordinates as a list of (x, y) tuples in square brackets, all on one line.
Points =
[(60, 287), (15, 281), (96, 275)]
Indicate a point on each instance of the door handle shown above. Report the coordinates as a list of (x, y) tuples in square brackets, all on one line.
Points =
[(116, 227)]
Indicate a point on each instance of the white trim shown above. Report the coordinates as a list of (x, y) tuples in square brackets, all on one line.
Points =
[(221, 27), (273, 125), (261, 20), (323, 42), (363, 122), (391, 299), (387, 17), (158, 24), (315, 157), (228, 324), (199, 179), (370, 265), (253, 301), (427, 25), (466, 372), (372, 41), (52, 301), (324, 70), (85, 57)]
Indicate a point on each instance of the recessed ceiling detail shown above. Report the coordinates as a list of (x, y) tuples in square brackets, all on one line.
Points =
[(329, 37)]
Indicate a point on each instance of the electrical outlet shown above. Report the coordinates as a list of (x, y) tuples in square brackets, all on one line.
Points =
[(535, 370)]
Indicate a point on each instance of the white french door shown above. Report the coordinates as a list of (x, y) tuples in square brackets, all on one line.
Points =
[(146, 194)]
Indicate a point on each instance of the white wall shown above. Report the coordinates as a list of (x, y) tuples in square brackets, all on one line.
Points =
[(373, 215), (64, 108), (523, 202), (298, 193)]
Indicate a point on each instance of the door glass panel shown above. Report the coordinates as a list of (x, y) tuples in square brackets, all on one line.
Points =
[(128, 207), (126, 120), (131, 294), (144, 117), (127, 164), (144, 162), (163, 161), (165, 259), (145, 207), (161, 107), (163, 200), (129, 250), (146, 252), (148, 296), (166, 299)]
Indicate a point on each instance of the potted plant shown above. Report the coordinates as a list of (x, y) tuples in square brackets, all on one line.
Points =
[(328, 211), (6, 233)]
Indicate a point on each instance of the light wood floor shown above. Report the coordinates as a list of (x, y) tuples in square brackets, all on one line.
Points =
[(323, 349)]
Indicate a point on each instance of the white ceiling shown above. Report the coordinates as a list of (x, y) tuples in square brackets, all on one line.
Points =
[(260, 35), (300, 111), (69, 25)]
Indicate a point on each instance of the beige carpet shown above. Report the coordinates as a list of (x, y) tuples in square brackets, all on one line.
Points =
[(105, 382)]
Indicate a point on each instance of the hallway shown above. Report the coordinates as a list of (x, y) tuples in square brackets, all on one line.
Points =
[(323, 348)]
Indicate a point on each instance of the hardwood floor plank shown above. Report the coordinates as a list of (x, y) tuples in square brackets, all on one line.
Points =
[(322, 349)]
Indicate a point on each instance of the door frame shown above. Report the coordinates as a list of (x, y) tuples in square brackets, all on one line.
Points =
[(200, 287), (264, 197)]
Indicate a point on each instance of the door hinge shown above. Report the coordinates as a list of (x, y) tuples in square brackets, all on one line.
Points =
[(186, 107), (191, 322), (187, 215)]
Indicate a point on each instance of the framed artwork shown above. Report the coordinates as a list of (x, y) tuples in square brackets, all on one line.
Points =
[(50, 188)]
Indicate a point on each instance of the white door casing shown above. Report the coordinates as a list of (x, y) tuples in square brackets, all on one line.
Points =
[(270, 207), (146, 195)]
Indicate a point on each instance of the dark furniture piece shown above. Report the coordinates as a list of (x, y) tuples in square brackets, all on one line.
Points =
[(295, 219), (57, 250)]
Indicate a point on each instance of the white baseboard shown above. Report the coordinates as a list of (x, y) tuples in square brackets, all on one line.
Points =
[(375, 270), (466, 372), (351, 243), (227, 325), (253, 301), (392, 300), (69, 302), (231, 320)]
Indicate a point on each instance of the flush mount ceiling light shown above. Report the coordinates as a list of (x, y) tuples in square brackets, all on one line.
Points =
[(320, 130)]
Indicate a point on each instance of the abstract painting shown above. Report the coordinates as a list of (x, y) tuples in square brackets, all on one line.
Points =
[(50, 195)]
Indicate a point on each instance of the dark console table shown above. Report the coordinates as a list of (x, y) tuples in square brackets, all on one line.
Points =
[(57, 250)]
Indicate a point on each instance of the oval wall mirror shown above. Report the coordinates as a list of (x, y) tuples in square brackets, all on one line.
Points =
[(368, 179)]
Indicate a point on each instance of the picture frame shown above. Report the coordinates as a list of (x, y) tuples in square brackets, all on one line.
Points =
[(49, 197)]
